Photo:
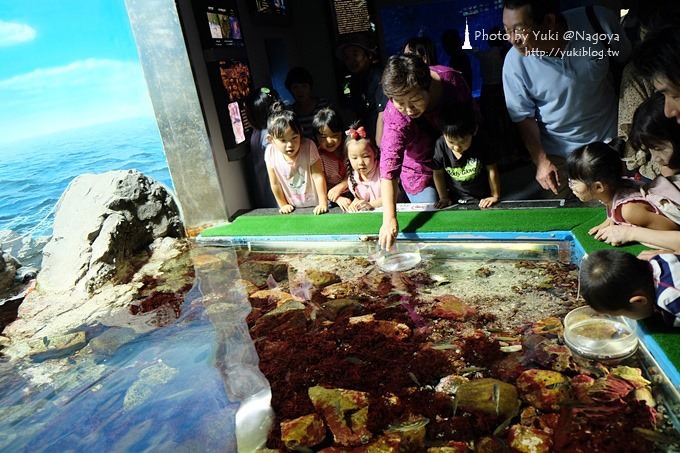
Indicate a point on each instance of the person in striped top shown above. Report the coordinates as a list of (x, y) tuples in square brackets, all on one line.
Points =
[(618, 283), (329, 129)]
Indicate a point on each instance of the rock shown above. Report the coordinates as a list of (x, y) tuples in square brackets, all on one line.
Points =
[(488, 396), (321, 279), (545, 390), (345, 412), (108, 342), (8, 271), (259, 271), (525, 439), (290, 314), (452, 307), (101, 225), (56, 346), (150, 381), (303, 432)]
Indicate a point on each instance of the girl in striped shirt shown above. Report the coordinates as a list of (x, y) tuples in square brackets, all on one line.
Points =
[(329, 128)]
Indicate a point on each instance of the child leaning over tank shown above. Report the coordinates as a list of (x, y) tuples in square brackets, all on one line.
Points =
[(328, 128), (596, 173), (293, 165), (617, 283), (462, 155)]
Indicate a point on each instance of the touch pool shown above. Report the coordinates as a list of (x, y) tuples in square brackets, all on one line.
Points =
[(359, 357)]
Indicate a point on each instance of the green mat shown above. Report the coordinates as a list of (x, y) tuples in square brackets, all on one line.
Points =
[(576, 220)]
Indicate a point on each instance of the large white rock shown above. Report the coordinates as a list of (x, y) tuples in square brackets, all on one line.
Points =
[(101, 222)]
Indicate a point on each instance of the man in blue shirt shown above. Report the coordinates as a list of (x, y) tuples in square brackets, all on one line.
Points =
[(557, 83)]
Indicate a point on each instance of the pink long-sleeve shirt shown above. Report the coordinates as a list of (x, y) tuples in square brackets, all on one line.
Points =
[(407, 144)]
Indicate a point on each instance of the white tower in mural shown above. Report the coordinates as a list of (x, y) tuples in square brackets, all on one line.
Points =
[(466, 43)]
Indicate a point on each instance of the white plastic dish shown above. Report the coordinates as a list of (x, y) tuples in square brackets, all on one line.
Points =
[(599, 336)]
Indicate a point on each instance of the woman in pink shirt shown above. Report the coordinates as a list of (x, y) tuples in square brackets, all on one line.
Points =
[(416, 94)]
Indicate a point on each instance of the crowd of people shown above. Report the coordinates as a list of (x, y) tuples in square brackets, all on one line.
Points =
[(571, 82)]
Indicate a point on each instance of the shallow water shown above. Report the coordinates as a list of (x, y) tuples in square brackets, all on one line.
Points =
[(179, 387), (166, 390)]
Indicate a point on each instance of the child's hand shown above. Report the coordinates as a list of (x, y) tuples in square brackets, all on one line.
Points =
[(614, 234), (286, 209), (359, 205), (595, 231), (488, 202), (320, 209), (334, 194), (443, 203), (344, 203)]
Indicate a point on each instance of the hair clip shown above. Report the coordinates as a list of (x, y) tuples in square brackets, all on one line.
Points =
[(265, 90), (356, 134)]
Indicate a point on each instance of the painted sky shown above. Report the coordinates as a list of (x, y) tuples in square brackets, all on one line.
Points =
[(66, 64)]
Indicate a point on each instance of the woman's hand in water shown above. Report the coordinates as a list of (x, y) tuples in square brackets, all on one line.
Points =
[(321, 209), (388, 234), (286, 209)]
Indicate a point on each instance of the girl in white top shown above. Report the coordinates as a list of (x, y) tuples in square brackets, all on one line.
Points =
[(364, 178), (293, 165)]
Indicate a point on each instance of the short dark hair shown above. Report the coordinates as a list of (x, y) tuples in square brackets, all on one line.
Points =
[(651, 127), (658, 55), (609, 278), (327, 117), (298, 75), (403, 73), (596, 162), (457, 119), (537, 9), (259, 105), (422, 47)]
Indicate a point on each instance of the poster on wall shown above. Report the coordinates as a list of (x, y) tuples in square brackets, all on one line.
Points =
[(236, 79), (351, 16), (270, 12), (271, 6), (224, 25)]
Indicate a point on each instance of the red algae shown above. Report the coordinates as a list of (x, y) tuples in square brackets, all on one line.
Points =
[(348, 348)]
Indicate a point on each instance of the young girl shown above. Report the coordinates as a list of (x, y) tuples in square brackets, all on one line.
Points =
[(595, 173), (293, 165), (659, 135), (363, 163), (329, 130)]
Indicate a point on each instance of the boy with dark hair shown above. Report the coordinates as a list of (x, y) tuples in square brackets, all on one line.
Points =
[(459, 153), (618, 283)]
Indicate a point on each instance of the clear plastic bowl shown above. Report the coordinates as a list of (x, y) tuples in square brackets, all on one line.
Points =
[(599, 336), (398, 261)]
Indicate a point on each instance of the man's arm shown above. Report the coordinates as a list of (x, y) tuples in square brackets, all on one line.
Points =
[(546, 171)]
